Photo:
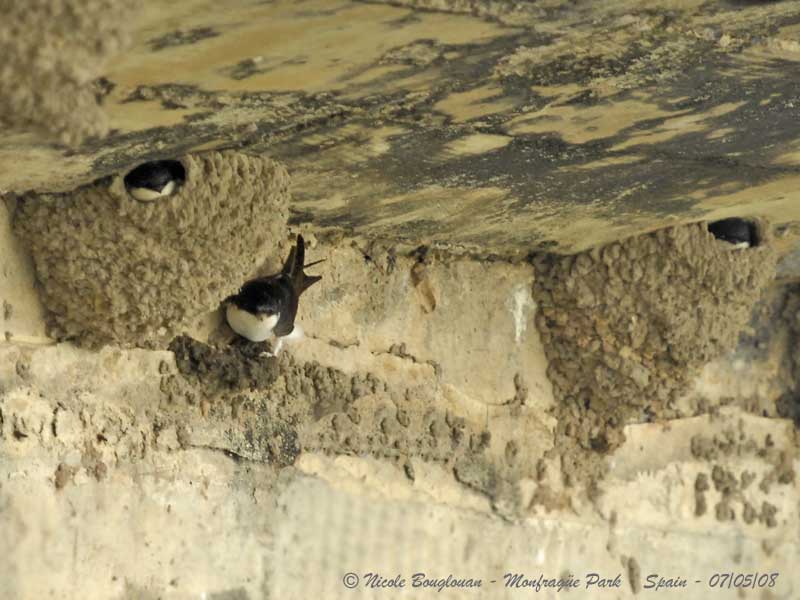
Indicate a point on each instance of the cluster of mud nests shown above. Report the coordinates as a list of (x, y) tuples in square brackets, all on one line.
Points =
[(625, 326), (116, 270)]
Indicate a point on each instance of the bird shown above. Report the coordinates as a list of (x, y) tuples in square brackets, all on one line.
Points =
[(156, 179), (267, 306), (738, 232)]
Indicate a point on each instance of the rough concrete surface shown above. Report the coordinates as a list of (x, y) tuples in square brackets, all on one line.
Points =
[(278, 477), (548, 125), (527, 355)]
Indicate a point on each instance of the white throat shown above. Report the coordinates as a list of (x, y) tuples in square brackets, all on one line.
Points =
[(256, 328), (148, 195), (733, 246)]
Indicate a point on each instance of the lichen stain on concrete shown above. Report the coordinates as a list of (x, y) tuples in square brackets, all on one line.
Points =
[(116, 270), (587, 85), (658, 177), (479, 143), (475, 102), (683, 123), (278, 28), (577, 124), (655, 108), (182, 38)]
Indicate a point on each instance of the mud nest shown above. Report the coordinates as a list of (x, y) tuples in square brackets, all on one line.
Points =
[(625, 326), (54, 53), (113, 269)]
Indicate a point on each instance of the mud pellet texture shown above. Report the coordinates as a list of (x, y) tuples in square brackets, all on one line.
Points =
[(625, 326), (115, 270), (54, 53)]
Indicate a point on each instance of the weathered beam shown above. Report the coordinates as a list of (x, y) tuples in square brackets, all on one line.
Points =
[(494, 127)]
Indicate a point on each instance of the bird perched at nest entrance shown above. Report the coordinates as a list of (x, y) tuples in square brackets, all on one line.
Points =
[(267, 306)]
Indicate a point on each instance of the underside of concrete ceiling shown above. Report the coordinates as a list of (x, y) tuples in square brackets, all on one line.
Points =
[(485, 126), (466, 401)]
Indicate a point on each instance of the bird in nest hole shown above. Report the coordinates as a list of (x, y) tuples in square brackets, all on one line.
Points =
[(155, 179)]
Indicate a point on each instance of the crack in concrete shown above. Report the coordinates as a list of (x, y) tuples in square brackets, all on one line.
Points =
[(400, 351), (231, 454)]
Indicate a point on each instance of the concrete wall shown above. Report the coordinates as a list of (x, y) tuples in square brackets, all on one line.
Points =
[(128, 474)]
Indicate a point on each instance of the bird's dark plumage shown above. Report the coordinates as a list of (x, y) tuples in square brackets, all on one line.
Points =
[(280, 293), (734, 231), (155, 176)]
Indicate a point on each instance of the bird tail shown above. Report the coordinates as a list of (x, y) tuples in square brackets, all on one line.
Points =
[(294, 265)]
